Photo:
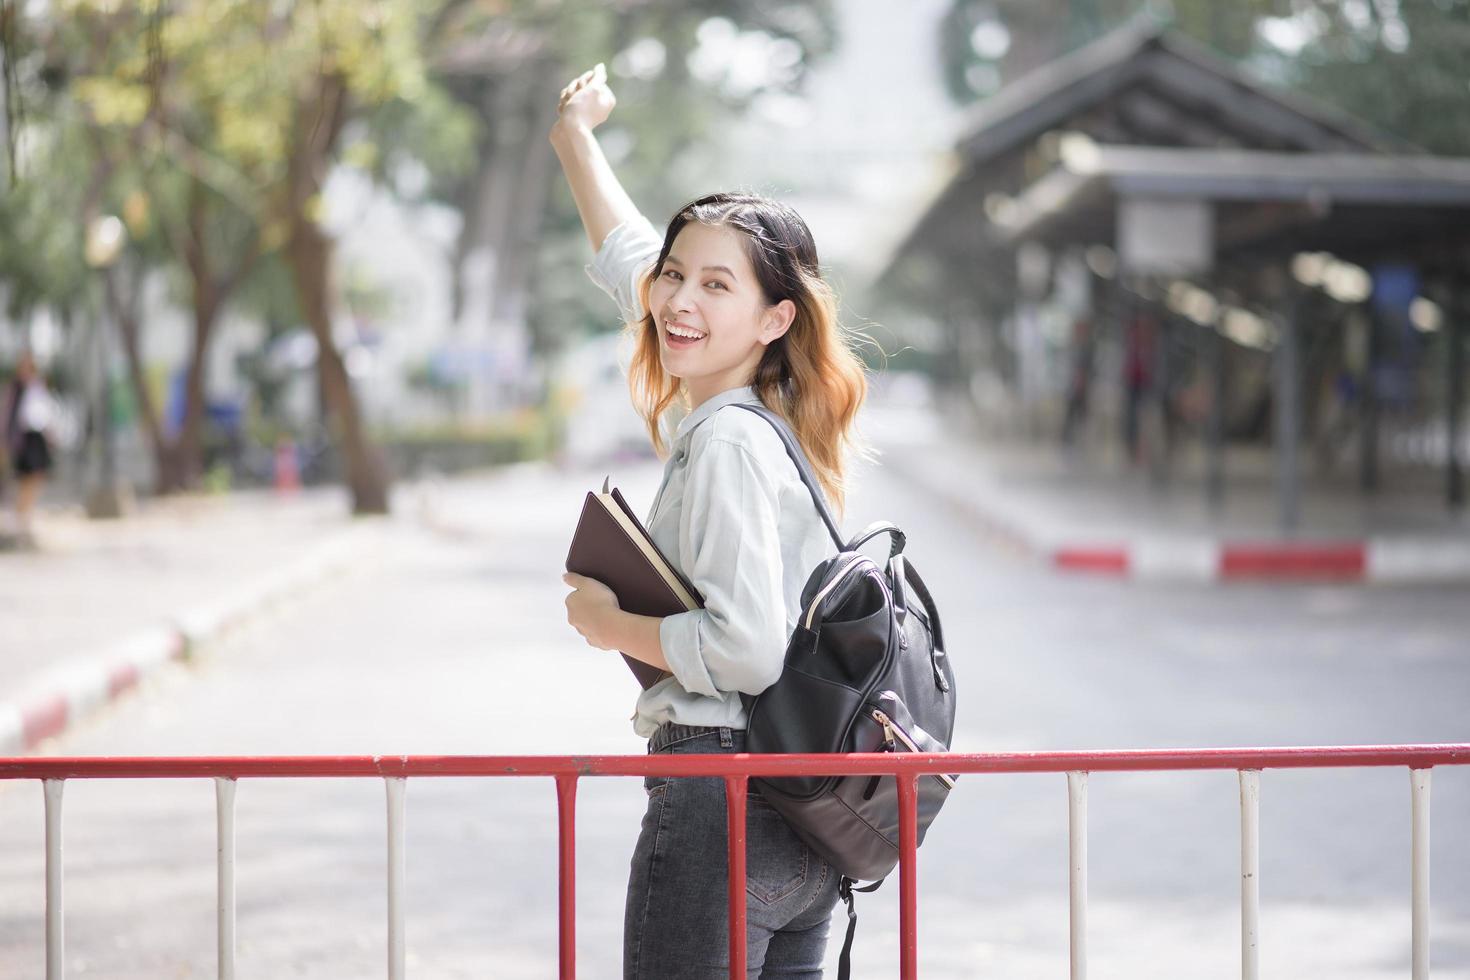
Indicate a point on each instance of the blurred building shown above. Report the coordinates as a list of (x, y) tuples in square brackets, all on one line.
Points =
[(1143, 245)]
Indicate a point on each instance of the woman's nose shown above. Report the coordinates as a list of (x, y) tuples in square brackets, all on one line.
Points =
[(682, 300)]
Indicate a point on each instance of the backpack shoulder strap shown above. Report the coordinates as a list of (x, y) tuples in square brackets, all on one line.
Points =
[(844, 891), (794, 450)]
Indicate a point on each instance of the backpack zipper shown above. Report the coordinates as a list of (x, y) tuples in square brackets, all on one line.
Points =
[(888, 745), (891, 731)]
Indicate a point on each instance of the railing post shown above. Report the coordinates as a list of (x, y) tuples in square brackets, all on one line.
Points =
[(224, 806), (1077, 869), (1250, 866), (566, 827), (735, 836), (55, 906), (908, 892), (397, 954), (1419, 858)]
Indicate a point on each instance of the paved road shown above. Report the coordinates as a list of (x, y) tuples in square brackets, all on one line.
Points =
[(96, 582), (434, 644)]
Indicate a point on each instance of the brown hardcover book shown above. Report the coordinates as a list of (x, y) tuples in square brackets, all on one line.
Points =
[(611, 546)]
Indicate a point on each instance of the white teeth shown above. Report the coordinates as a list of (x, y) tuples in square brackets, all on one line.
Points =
[(681, 332)]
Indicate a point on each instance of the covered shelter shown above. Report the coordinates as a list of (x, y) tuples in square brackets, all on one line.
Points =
[(1195, 179), (1186, 211)]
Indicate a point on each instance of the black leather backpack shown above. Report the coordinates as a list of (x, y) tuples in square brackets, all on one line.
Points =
[(865, 671)]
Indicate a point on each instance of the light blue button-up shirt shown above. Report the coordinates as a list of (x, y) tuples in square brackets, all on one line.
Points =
[(734, 517)]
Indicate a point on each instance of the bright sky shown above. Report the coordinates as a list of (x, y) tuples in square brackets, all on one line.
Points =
[(865, 147)]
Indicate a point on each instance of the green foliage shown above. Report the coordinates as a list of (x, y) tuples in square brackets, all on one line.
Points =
[(187, 119), (1404, 73), (524, 435), (161, 112), (217, 479), (661, 115), (211, 91), (40, 256), (269, 295), (986, 43), (1399, 66), (433, 134), (40, 250)]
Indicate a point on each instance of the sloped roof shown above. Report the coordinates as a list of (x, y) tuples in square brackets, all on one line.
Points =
[(1344, 202), (1157, 88), (1241, 175), (1190, 87)]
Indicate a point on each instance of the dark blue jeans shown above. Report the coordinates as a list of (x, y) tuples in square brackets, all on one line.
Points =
[(676, 926)]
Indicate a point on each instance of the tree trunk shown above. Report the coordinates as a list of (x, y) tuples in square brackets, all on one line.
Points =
[(480, 203), (187, 462), (125, 314), (534, 165), (309, 252), (178, 463), (188, 450)]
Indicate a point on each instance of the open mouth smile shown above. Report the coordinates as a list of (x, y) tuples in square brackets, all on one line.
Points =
[(677, 336)]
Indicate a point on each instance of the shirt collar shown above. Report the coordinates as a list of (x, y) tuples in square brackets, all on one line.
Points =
[(711, 405)]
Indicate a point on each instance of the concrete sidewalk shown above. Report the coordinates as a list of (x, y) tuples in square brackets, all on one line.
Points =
[(103, 604), (1093, 514)]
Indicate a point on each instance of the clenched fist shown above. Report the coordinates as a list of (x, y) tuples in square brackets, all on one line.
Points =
[(586, 100)]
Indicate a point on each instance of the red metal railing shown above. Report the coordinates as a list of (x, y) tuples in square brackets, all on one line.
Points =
[(736, 770)]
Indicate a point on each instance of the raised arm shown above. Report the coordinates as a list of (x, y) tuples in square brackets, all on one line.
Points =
[(601, 201)]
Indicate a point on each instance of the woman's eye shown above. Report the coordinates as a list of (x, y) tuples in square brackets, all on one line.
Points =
[(678, 278)]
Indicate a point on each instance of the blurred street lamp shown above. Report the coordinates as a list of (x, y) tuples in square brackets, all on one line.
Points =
[(110, 496), (105, 237)]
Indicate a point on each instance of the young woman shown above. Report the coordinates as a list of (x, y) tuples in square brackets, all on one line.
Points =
[(728, 305)]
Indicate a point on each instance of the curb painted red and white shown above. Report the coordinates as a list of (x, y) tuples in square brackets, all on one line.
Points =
[(57, 700), (1182, 558), (1371, 561)]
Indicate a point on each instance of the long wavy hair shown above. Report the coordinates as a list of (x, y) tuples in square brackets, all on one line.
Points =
[(811, 376)]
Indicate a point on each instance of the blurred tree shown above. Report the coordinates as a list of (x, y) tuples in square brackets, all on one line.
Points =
[(1398, 65), (507, 61), (98, 141), (230, 116), (327, 65), (40, 257)]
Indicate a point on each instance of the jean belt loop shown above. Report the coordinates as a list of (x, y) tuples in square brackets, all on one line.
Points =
[(726, 738)]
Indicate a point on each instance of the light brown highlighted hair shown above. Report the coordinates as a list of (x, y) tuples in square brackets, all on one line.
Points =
[(811, 376)]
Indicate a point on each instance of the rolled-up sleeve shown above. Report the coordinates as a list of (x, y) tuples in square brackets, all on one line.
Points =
[(731, 551), (625, 254)]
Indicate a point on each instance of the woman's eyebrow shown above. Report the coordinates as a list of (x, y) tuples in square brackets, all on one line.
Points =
[(708, 268)]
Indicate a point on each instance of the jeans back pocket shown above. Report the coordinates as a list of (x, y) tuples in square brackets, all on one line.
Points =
[(776, 860)]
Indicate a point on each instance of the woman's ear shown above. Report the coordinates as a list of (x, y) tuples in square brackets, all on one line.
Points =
[(777, 321)]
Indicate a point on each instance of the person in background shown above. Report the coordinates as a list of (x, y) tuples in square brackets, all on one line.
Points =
[(27, 412), (1138, 380), (1079, 382)]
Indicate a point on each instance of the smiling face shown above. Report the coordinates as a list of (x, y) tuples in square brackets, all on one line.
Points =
[(712, 318)]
